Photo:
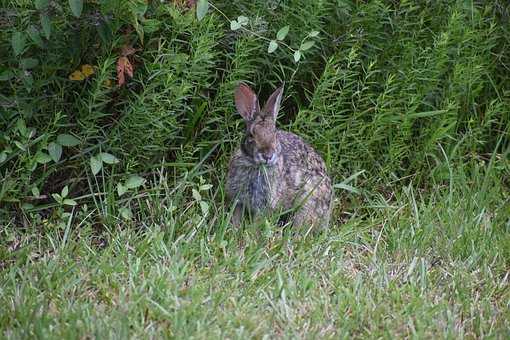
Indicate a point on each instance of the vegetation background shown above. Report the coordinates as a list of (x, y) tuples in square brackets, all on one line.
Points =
[(112, 210)]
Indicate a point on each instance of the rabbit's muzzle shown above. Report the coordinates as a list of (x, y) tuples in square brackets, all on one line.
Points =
[(266, 158)]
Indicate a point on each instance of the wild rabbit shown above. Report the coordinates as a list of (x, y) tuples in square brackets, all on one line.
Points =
[(274, 170)]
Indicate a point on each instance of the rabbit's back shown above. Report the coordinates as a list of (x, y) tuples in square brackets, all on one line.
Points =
[(299, 158), (306, 180)]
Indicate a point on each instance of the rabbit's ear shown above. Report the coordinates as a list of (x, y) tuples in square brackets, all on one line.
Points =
[(273, 103), (247, 103)]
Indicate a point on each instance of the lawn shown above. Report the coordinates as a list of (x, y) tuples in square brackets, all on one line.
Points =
[(117, 122)]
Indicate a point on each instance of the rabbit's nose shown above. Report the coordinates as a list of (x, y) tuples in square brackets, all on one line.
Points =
[(267, 157), (270, 158)]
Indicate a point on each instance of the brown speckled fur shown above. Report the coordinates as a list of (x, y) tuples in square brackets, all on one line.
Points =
[(296, 180)]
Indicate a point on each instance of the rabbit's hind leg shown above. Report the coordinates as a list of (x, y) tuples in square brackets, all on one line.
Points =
[(305, 217), (237, 215), (314, 213)]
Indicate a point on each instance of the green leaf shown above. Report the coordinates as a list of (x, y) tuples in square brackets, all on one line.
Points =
[(138, 8), (28, 63), (35, 192), (242, 20), (105, 32), (282, 33), (126, 213), (139, 29), (76, 7), (134, 181), (27, 206), (42, 158), (121, 189), (46, 25), (313, 34), (3, 156), (204, 207), (69, 201), (6, 75), (297, 56), (202, 7), (18, 42), (57, 197), (345, 183), (108, 158), (234, 25), (31, 132), (196, 195), (20, 145), (34, 35), (67, 140), (65, 191), (205, 187), (273, 45), (28, 81), (55, 151), (307, 45), (41, 4), (95, 165), (346, 187), (151, 25), (21, 127)]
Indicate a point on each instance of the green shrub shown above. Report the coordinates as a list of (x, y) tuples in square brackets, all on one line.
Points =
[(381, 87)]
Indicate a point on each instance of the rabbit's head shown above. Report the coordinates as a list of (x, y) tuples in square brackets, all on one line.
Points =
[(260, 142)]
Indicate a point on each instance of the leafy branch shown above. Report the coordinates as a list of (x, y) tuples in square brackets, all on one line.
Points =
[(242, 22)]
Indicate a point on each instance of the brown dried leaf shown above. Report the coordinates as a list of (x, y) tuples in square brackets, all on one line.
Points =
[(124, 68)]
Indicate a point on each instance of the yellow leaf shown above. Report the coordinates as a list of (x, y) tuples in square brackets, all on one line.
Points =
[(77, 75), (87, 70)]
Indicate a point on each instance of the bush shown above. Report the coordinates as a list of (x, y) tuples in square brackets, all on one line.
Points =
[(384, 88)]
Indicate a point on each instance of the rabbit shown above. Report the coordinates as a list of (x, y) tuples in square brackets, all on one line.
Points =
[(275, 170)]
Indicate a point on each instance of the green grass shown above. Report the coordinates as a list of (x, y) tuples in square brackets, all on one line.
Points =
[(409, 103), (434, 266)]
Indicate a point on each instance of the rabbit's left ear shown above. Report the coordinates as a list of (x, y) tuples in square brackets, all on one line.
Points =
[(246, 101), (272, 105)]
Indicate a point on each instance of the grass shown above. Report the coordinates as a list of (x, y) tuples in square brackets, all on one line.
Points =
[(408, 103), (412, 267)]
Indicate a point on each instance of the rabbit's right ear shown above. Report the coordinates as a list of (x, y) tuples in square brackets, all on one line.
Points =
[(247, 103), (273, 103)]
